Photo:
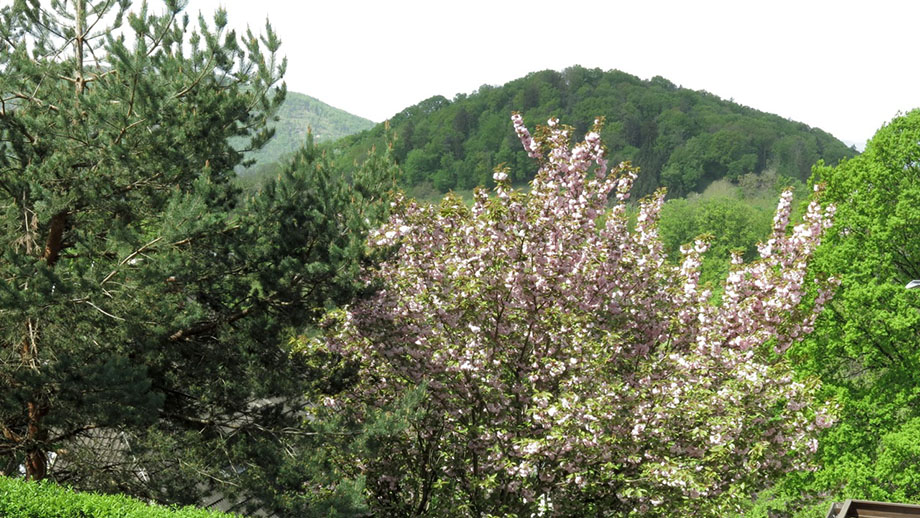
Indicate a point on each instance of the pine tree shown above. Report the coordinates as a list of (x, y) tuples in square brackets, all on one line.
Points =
[(143, 300)]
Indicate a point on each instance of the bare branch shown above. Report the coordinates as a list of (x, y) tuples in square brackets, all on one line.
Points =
[(104, 312), (124, 130)]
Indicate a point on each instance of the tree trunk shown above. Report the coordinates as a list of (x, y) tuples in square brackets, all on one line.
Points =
[(78, 44), (36, 459), (55, 242), (36, 462)]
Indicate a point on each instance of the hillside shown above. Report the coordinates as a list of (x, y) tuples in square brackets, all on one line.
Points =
[(680, 138), (300, 112)]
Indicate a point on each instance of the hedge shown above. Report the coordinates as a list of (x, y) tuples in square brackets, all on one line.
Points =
[(21, 499)]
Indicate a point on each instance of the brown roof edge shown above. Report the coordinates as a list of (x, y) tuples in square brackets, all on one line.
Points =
[(870, 509)]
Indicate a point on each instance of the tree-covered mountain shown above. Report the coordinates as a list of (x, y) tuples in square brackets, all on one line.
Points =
[(680, 138), (300, 113)]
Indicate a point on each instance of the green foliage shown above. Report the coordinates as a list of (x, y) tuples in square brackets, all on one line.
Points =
[(145, 301), (731, 216), (727, 223), (325, 475), (21, 499), (865, 347), (569, 370), (679, 138)]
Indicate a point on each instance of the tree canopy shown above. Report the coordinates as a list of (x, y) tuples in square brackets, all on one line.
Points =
[(730, 224), (865, 345)]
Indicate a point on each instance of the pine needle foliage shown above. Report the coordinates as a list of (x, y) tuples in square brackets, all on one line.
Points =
[(145, 301)]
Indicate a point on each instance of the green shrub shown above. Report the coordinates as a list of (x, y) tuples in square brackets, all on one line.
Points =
[(21, 499)]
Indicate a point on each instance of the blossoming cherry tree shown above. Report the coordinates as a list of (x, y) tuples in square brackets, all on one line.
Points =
[(568, 369)]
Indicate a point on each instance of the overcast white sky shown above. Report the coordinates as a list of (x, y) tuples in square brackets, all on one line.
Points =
[(844, 66)]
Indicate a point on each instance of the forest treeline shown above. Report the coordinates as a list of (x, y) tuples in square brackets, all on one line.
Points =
[(679, 138)]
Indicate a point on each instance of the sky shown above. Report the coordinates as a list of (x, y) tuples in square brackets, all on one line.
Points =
[(845, 66)]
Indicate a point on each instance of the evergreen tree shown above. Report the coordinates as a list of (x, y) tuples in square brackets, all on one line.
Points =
[(143, 300)]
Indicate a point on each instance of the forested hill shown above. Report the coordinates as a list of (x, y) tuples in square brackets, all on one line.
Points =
[(680, 138), (300, 112)]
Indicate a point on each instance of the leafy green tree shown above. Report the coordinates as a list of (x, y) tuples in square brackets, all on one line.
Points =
[(144, 301), (866, 347), (730, 224)]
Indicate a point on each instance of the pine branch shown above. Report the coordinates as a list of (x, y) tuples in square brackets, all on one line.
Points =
[(189, 88), (205, 327), (32, 98), (130, 256)]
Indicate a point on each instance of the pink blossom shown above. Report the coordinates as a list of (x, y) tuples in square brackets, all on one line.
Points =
[(548, 340)]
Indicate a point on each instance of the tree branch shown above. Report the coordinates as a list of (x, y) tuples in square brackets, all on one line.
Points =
[(204, 327), (34, 99), (130, 256)]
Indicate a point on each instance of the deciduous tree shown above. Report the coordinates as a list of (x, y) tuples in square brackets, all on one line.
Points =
[(865, 346), (568, 369)]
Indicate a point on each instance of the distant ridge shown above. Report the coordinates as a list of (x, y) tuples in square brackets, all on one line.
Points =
[(300, 112), (680, 138)]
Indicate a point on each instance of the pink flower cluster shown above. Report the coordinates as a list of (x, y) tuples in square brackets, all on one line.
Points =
[(565, 361)]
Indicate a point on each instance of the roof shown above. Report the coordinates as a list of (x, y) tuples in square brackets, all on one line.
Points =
[(870, 509)]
